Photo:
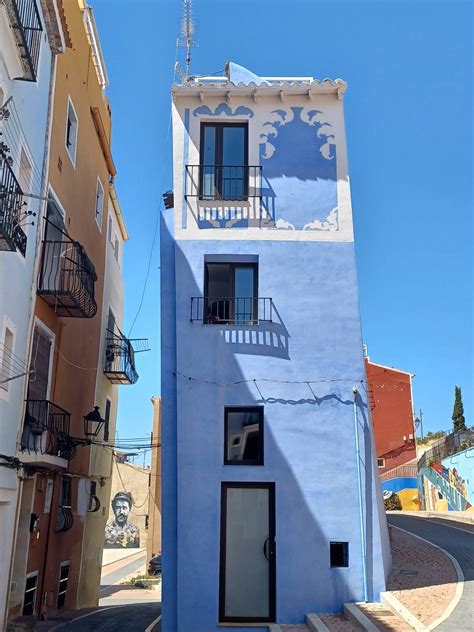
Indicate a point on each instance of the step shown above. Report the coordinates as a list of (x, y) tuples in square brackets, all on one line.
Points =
[(330, 623)]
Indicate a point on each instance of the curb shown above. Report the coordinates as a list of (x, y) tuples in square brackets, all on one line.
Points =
[(457, 594), (358, 618), (402, 611), (315, 624)]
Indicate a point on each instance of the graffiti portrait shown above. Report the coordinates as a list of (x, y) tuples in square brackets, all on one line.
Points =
[(119, 532)]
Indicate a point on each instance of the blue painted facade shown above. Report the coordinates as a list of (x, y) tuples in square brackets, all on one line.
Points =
[(302, 367)]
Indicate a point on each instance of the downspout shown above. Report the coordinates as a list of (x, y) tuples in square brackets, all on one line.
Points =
[(361, 506)]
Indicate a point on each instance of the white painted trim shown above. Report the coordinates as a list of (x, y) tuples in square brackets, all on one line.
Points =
[(152, 624), (52, 336), (71, 158), (460, 583), (390, 368)]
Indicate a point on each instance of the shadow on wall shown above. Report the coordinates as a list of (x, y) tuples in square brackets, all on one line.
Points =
[(308, 481)]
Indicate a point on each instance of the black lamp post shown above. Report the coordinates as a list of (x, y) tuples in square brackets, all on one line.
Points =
[(93, 422)]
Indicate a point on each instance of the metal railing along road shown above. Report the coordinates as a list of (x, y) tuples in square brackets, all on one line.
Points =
[(217, 183), (66, 279), (447, 446), (12, 236), (46, 429), (26, 25), (212, 310)]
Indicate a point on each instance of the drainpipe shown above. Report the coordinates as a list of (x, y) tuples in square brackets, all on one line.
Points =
[(361, 506)]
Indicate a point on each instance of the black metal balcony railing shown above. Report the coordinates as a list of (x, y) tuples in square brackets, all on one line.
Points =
[(46, 430), (119, 364), (66, 278), (64, 519), (212, 310), (223, 182), (12, 236), (27, 29)]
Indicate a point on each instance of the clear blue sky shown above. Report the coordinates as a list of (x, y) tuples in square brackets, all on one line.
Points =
[(408, 115)]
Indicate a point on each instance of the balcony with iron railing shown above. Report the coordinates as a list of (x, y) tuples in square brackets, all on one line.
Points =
[(26, 27), (223, 183), (12, 237), (46, 434), (119, 364), (66, 278), (447, 446), (221, 310)]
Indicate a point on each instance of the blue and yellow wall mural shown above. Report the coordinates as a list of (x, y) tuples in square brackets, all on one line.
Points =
[(448, 485), (406, 489)]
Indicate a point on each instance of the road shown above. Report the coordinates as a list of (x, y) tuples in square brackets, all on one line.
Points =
[(115, 577), (457, 539), (133, 618)]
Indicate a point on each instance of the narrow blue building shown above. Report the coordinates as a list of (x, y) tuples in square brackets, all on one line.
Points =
[(270, 499)]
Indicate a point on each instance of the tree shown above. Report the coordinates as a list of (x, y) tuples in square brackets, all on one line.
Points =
[(458, 411)]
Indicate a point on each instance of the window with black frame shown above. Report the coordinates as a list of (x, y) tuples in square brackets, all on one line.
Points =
[(243, 436), (230, 293), (224, 161)]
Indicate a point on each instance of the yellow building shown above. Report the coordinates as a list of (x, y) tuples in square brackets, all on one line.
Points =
[(83, 355)]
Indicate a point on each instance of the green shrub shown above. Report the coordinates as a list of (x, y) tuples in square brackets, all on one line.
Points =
[(393, 503)]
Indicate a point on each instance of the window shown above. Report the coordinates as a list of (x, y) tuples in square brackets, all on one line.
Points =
[(108, 404), (243, 436), (116, 249), (339, 553), (71, 132), (230, 293), (6, 351), (109, 229), (40, 364), (63, 582), (99, 203), (224, 161), (29, 598), (65, 500), (380, 462)]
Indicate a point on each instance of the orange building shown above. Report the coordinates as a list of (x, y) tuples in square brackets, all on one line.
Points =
[(78, 355), (392, 415)]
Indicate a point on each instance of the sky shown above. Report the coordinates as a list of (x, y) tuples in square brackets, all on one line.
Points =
[(408, 112)]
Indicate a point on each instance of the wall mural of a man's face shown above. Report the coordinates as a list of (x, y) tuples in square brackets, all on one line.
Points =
[(121, 511)]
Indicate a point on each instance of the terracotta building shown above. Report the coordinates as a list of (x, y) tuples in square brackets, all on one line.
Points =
[(154, 500), (77, 353), (392, 415)]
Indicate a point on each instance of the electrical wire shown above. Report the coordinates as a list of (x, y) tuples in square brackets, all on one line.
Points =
[(157, 221)]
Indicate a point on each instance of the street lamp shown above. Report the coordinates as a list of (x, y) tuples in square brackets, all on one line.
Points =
[(93, 422)]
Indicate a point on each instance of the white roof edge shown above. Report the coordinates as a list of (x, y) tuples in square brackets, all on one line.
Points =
[(299, 87), (390, 368)]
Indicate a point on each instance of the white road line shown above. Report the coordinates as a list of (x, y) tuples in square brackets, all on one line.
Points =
[(459, 585), (83, 616), (152, 624)]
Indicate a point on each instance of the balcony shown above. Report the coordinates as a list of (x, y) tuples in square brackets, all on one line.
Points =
[(66, 279), (26, 26), (119, 364), (12, 237), (223, 183), (45, 440), (231, 310)]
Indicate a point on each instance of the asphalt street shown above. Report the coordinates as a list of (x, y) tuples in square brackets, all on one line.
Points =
[(137, 617), (458, 540)]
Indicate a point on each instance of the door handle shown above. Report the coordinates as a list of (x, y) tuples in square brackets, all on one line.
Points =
[(266, 550)]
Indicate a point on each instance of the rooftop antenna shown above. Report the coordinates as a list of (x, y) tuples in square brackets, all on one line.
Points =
[(186, 41)]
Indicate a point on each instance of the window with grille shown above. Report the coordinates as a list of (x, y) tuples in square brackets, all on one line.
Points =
[(339, 553), (63, 582), (29, 598), (71, 132), (40, 365)]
